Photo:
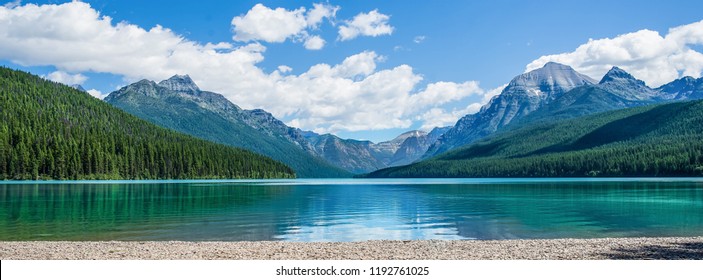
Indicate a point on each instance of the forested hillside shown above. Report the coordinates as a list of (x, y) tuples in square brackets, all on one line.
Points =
[(658, 140), (52, 131), (178, 104)]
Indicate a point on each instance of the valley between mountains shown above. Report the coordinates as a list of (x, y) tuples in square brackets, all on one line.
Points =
[(552, 121)]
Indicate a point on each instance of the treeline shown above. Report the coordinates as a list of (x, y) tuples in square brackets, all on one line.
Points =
[(52, 131), (661, 140), (184, 114)]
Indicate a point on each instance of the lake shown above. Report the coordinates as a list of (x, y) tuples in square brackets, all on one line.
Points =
[(351, 210)]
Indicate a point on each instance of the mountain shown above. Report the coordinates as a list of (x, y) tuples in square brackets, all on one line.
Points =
[(616, 90), (654, 140), (415, 146), (523, 95), (353, 155), (365, 156), (181, 83), (53, 131), (390, 147), (179, 104), (622, 84), (78, 87), (686, 88)]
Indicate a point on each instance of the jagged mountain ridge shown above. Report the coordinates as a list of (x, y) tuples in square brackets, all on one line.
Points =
[(415, 146), (686, 88), (655, 140), (179, 104), (523, 95), (616, 90), (621, 83), (553, 92), (365, 156), (181, 83)]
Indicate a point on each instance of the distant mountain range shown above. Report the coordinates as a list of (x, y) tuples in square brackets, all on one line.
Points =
[(365, 156), (557, 91), (543, 96), (655, 140), (547, 123), (178, 103), (553, 92)]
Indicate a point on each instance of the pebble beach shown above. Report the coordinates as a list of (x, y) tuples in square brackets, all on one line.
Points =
[(537, 249)]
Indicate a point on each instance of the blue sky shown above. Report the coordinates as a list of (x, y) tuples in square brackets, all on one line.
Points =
[(450, 55)]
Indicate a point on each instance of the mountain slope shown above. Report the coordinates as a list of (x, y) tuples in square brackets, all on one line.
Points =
[(415, 146), (178, 103), (353, 155), (686, 88), (616, 90), (523, 95), (657, 140), (365, 156), (53, 131), (624, 85)]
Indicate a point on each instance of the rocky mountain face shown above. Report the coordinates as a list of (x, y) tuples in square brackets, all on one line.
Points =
[(179, 104), (624, 85), (558, 92), (655, 140), (414, 147), (552, 92), (523, 95), (366, 156), (181, 83), (686, 88), (616, 90), (390, 147), (352, 155)]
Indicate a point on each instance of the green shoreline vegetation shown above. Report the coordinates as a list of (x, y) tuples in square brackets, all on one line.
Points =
[(657, 140), (52, 131)]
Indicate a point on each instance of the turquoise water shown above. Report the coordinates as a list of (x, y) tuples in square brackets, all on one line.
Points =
[(350, 210)]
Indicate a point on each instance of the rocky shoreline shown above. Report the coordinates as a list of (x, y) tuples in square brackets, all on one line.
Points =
[(535, 249)]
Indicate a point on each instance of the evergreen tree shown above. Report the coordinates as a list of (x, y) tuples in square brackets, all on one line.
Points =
[(52, 131), (658, 140)]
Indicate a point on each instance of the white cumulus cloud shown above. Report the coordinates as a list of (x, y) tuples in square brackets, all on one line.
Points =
[(354, 95), (277, 25), (270, 25), (348, 96), (646, 54), (66, 78), (96, 93), (314, 43), (488, 95), (284, 69), (13, 4), (365, 24), (75, 38), (320, 12), (438, 117)]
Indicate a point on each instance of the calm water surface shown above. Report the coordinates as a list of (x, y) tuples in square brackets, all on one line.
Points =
[(351, 210)]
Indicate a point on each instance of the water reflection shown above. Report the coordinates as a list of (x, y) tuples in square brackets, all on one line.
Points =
[(350, 210)]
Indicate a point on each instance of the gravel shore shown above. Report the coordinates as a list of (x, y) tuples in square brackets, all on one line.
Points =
[(541, 249)]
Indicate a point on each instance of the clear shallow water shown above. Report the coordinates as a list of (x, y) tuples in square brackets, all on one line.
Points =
[(351, 210)]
